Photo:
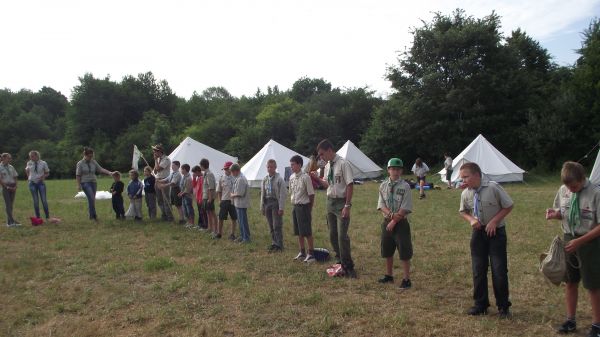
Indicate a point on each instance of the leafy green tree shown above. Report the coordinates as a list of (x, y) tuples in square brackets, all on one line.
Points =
[(314, 127), (304, 88)]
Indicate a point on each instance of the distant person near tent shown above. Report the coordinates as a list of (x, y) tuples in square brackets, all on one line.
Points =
[(241, 200), (150, 192), (302, 196), (209, 185), (85, 175), (37, 171), (273, 193), (577, 204), (224, 188), (420, 170), (448, 167)]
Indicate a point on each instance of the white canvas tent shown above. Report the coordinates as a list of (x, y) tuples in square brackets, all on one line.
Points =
[(494, 165), (595, 175), (191, 152), (256, 168), (362, 166)]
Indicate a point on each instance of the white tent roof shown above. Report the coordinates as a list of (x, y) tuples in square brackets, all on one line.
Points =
[(595, 175), (362, 166), (256, 168), (191, 152), (494, 165)]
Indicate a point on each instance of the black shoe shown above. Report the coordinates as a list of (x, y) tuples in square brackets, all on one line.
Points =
[(274, 249), (405, 285), (477, 311), (350, 273), (386, 279), (567, 327), (503, 313), (594, 332)]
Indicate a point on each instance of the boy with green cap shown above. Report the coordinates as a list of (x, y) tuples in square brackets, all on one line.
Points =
[(395, 203)]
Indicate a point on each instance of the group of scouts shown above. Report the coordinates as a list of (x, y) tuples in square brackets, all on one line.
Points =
[(483, 204)]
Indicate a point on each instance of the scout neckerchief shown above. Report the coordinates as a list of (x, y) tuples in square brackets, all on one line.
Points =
[(573, 218), (330, 174), (476, 203), (270, 185), (391, 187), (89, 166), (35, 167)]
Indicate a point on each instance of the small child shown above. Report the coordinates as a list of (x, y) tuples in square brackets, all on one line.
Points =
[(134, 191), (302, 195), (187, 194), (150, 191), (116, 189), (197, 182), (395, 203)]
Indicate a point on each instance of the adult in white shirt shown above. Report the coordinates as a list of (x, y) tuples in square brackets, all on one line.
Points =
[(420, 170), (37, 171)]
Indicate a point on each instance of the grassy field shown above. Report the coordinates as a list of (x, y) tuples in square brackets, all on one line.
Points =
[(120, 278)]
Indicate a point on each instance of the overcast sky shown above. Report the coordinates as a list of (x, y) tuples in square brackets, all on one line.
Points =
[(243, 45)]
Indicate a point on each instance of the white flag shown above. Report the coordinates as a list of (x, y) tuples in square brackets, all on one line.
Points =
[(137, 154)]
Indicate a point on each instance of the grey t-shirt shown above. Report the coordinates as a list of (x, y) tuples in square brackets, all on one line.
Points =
[(87, 170)]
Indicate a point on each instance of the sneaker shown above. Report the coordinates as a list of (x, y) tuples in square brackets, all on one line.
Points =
[(386, 279), (422, 196), (405, 285), (567, 326), (16, 224), (10, 225), (503, 312), (594, 331), (238, 240), (273, 248), (301, 256), (231, 237), (309, 259), (217, 236), (477, 311)]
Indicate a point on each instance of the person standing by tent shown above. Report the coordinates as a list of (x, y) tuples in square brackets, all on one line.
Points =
[(272, 203), (197, 188), (448, 167), (420, 170), (150, 191), (302, 196), (577, 204), (85, 175), (8, 182), (338, 179), (484, 205), (224, 188), (37, 171), (162, 164), (241, 200)]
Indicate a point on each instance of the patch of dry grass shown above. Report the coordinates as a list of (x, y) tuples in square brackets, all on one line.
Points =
[(119, 278)]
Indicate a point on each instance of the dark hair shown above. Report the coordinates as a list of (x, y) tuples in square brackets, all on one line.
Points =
[(135, 173), (325, 145), (196, 168), (297, 159), (572, 172), (87, 151), (472, 167), (176, 162), (419, 162), (186, 167), (234, 167), (116, 174), (204, 163)]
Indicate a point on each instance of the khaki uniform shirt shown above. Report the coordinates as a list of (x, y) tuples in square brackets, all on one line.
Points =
[(225, 186), (273, 188), (301, 188), (186, 184), (342, 177), (589, 205), (492, 198), (87, 170), (208, 183), (448, 163), (36, 172), (240, 187), (395, 196), (420, 171), (8, 174), (165, 163)]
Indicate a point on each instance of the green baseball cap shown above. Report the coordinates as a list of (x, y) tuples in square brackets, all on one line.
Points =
[(395, 162)]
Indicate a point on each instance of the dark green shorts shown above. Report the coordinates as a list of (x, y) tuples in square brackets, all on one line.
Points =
[(589, 258), (302, 220), (398, 239)]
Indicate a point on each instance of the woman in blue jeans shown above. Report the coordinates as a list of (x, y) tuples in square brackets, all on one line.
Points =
[(37, 171), (85, 174)]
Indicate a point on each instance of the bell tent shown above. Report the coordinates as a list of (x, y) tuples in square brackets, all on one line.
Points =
[(256, 168), (494, 165), (191, 151), (595, 175), (362, 166)]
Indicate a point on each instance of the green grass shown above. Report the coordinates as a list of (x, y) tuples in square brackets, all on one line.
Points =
[(120, 278)]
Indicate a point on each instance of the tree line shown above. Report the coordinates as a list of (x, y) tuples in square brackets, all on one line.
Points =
[(460, 77)]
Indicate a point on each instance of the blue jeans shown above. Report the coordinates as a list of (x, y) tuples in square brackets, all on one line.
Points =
[(188, 207), (90, 192), (243, 221), (38, 191)]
